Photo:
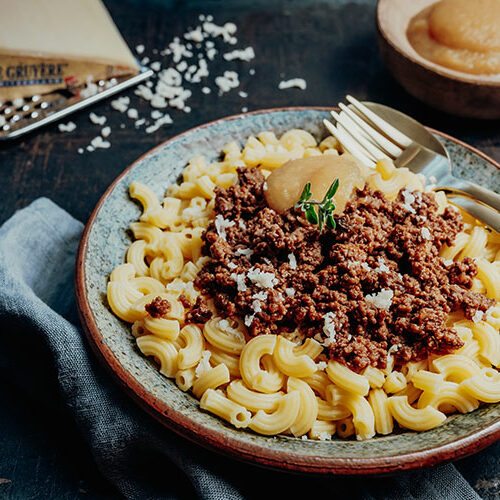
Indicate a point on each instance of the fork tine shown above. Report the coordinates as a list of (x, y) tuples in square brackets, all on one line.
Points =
[(349, 144), (385, 127), (359, 134), (379, 140)]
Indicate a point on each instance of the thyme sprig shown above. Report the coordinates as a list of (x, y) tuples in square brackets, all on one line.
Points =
[(323, 214)]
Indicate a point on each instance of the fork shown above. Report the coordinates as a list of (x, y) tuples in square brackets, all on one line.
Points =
[(370, 138)]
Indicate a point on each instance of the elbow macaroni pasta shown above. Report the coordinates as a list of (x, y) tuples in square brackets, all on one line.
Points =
[(268, 383)]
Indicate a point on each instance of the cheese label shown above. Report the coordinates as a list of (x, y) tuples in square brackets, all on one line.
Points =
[(79, 44)]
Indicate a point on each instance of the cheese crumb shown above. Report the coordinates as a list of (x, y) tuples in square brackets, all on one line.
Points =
[(426, 234), (246, 252), (382, 299), (140, 49), (478, 316), (261, 278), (68, 127), (243, 94), (329, 328), (99, 142), (204, 364), (106, 131), (229, 80), (409, 199), (243, 55), (260, 296), (221, 225), (299, 83), (290, 292), (231, 265), (121, 104), (321, 365), (292, 260), (133, 113), (97, 120), (324, 436), (206, 90), (447, 262), (240, 281)]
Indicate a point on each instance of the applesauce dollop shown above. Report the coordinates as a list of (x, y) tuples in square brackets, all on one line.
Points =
[(463, 35)]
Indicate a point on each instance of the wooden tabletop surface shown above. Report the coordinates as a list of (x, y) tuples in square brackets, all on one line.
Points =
[(332, 45)]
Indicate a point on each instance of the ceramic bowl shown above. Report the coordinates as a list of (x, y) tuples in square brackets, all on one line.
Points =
[(103, 247), (463, 94)]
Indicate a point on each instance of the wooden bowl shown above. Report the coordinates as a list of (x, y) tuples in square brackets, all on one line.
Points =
[(463, 94)]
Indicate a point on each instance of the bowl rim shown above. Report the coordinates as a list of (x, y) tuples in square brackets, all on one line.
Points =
[(233, 447), (442, 71)]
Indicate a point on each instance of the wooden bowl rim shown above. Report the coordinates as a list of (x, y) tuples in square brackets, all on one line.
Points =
[(421, 61), (233, 447)]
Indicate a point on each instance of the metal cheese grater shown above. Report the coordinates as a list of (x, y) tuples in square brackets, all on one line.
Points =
[(20, 116)]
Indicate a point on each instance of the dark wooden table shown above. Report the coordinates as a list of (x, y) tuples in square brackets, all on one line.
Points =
[(330, 44)]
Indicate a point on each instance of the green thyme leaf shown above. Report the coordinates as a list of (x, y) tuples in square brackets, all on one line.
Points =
[(330, 222), (311, 215)]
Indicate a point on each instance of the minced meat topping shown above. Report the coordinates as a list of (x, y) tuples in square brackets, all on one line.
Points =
[(158, 307), (376, 283)]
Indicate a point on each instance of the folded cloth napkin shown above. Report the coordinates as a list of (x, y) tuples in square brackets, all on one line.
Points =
[(139, 456)]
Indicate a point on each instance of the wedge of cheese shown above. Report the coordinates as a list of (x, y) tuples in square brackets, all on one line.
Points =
[(53, 44)]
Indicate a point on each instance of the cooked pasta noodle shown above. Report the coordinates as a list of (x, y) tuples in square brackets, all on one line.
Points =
[(272, 384)]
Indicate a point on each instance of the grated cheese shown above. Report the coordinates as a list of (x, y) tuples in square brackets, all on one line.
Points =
[(290, 292), (229, 80), (204, 364), (68, 127), (231, 265), (426, 234), (382, 299), (260, 295), (292, 261), (240, 281), (294, 82), (409, 199), (121, 104), (221, 225), (478, 316), (99, 142), (329, 328), (106, 131), (246, 252), (262, 278), (97, 120), (243, 55)]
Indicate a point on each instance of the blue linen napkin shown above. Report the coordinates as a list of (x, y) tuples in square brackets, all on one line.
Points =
[(134, 452)]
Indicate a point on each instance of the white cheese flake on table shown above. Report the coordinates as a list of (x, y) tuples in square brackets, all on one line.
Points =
[(251, 71), (133, 113), (225, 31), (155, 66), (144, 92), (221, 225), (243, 55), (67, 127), (426, 234), (158, 102), (478, 316), (240, 281), (145, 60), (195, 35), (382, 299), (99, 142), (242, 94), (106, 131), (292, 261), (244, 109), (140, 122), (96, 119), (206, 90), (80, 151), (204, 364), (164, 120), (229, 80), (121, 104), (262, 278), (140, 49), (299, 83), (155, 114)]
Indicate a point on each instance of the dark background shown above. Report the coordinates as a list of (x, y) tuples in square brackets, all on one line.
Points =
[(331, 44)]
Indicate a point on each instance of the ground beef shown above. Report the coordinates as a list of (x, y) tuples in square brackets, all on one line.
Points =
[(158, 307), (378, 277), (199, 313)]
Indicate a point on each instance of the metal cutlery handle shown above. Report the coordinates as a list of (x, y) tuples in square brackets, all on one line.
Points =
[(479, 193), (481, 212)]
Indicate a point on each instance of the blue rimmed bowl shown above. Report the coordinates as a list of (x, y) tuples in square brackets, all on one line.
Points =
[(103, 247)]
